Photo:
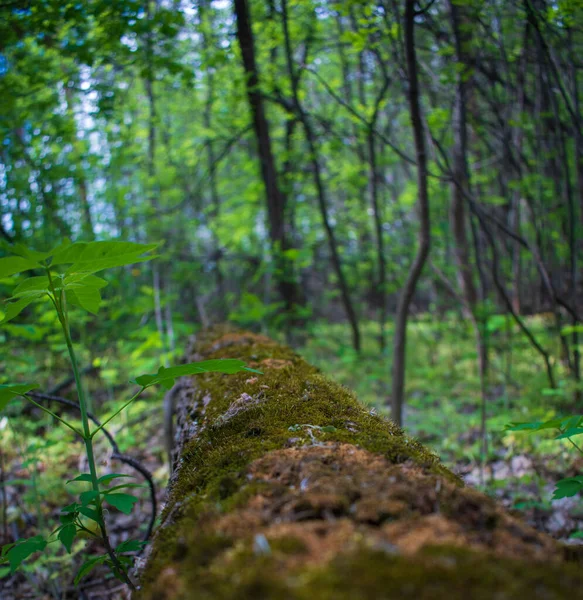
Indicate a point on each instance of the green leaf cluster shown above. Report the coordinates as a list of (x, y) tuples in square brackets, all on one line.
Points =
[(77, 284)]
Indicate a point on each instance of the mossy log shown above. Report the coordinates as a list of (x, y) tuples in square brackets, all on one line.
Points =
[(286, 487)]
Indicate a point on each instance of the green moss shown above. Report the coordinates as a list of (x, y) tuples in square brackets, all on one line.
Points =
[(288, 545), (249, 416), (243, 494), (279, 399), (435, 574), (440, 573)]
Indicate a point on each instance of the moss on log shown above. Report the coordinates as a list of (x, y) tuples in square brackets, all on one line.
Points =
[(287, 488)]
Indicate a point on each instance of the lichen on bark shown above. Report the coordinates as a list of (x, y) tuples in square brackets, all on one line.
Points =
[(287, 487)]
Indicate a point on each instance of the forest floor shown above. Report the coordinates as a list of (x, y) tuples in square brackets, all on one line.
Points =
[(443, 408), (443, 411)]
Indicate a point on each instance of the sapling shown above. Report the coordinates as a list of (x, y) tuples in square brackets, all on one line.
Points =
[(65, 276)]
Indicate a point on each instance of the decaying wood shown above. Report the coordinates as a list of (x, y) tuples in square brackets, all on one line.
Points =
[(286, 487)]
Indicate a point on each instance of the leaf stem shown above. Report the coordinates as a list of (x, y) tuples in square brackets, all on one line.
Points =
[(55, 416), (576, 446), (134, 397)]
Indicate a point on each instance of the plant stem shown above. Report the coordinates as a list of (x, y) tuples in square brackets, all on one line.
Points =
[(134, 397), (88, 439), (59, 301), (55, 416)]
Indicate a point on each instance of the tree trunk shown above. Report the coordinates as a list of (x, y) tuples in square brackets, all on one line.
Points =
[(286, 487), (320, 188), (458, 216), (206, 29), (400, 339), (276, 200)]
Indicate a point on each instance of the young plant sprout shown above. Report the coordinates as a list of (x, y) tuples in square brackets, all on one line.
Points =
[(65, 276)]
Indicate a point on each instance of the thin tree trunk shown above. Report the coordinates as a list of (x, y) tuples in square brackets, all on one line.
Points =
[(169, 317), (207, 39), (400, 340), (88, 230), (80, 177), (381, 261), (458, 217), (276, 200), (579, 181), (320, 189), (158, 313)]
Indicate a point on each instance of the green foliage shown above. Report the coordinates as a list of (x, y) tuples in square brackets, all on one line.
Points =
[(567, 428), (9, 392), (567, 487), (16, 553), (123, 502), (88, 566), (75, 284)]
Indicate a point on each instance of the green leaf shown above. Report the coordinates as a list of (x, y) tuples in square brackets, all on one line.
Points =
[(83, 280), (32, 286), (13, 309), (90, 514), (570, 433), (88, 497), (70, 508), (67, 518), (88, 566), (221, 365), (535, 425), (122, 486), (10, 391), (88, 298), (552, 392), (67, 535), (67, 254), (130, 546), (82, 477), (569, 329), (110, 476), (96, 256), (123, 502), (5, 548), (32, 333), (567, 488), (11, 265), (29, 253), (570, 480), (571, 422), (23, 549), (4, 571)]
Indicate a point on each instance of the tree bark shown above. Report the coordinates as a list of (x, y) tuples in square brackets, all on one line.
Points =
[(458, 217), (286, 487), (400, 339), (276, 200)]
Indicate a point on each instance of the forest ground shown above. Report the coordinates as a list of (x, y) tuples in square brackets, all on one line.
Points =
[(443, 407), (443, 411)]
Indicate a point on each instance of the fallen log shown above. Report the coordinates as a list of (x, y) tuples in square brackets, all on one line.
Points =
[(286, 487)]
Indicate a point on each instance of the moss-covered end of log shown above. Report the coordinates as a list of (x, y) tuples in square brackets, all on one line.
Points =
[(292, 489)]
